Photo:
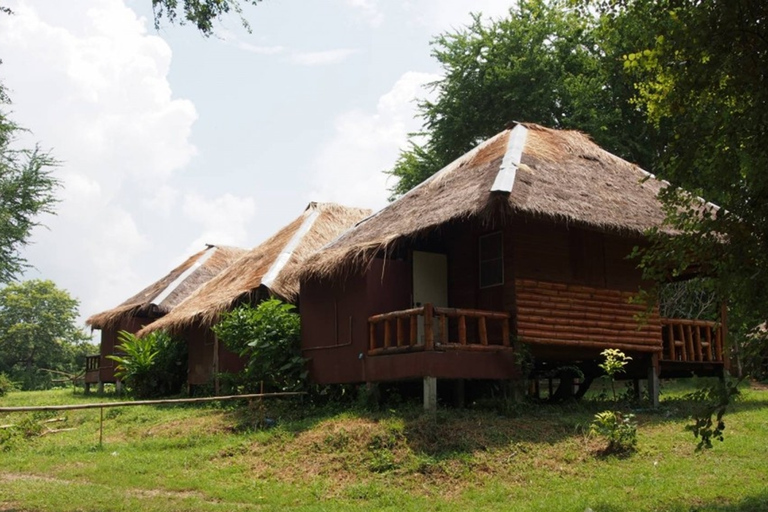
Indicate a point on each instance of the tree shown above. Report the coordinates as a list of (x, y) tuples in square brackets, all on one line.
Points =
[(544, 63), (26, 190), (38, 331), (268, 337), (704, 76), (201, 13)]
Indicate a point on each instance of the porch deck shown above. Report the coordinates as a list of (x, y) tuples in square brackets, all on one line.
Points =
[(685, 346)]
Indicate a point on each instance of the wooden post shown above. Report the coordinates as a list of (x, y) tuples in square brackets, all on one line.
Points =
[(462, 330), (482, 330), (414, 334), (429, 335), (216, 380), (387, 334), (653, 380), (430, 394), (371, 335), (671, 338), (400, 334), (697, 342), (460, 392)]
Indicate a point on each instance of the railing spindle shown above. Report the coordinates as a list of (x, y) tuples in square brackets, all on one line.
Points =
[(697, 342), (429, 335), (399, 331), (387, 334), (671, 340), (482, 331), (462, 330), (414, 334)]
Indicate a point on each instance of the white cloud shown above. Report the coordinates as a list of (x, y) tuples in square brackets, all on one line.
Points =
[(369, 10), (323, 58), (261, 50), (224, 219), (349, 167), (90, 83), (453, 14)]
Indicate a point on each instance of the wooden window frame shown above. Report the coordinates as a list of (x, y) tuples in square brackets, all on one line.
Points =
[(480, 259)]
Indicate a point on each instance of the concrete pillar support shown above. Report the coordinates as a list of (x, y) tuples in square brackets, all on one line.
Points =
[(430, 394)]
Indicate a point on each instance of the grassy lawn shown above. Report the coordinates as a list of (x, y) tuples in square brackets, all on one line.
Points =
[(174, 458)]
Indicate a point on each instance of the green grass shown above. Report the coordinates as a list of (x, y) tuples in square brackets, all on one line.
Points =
[(171, 458)]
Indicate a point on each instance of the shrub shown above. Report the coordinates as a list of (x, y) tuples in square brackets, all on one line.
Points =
[(618, 429), (268, 336), (154, 365), (6, 384)]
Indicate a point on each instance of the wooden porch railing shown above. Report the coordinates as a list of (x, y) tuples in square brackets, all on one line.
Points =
[(401, 330), (692, 340), (92, 363)]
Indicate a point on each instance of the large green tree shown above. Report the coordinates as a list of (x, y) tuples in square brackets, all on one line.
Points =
[(27, 188), (546, 63), (704, 76), (38, 330)]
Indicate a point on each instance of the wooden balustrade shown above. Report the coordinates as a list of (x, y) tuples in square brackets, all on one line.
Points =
[(436, 325), (692, 340), (92, 363)]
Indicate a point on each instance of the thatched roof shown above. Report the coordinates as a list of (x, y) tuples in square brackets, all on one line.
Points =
[(272, 265), (529, 169), (162, 296)]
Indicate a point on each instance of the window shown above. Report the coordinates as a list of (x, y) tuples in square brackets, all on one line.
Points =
[(491, 260)]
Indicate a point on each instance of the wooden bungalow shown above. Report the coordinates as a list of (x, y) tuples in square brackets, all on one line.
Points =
[(269, 270), (522, 242), (151, 303)]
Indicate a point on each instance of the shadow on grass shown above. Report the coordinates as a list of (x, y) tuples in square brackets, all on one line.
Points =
[(755, 503)]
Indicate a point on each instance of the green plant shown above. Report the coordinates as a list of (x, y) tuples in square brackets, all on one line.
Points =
[(151, 365), (6, 384), (708, 421), (615, 361), (268, 337), (619, 429)]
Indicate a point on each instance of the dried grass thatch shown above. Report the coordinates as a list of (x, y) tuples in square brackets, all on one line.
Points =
[(272, 265), (162, 296), (561, 174)]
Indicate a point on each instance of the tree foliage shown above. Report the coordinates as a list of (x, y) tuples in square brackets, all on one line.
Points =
[(704, 76), (26, 190), (38, 330), (201, 13), (268, 336), (546, 63)]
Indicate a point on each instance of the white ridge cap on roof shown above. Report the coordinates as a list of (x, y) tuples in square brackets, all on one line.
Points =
[(183, 276), (505, 179)]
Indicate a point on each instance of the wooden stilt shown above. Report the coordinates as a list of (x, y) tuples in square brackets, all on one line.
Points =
[(653, 380)]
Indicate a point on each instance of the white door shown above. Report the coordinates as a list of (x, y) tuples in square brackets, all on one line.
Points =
[(430, 284)]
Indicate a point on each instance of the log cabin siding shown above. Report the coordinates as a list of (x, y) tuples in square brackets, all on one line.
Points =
[(580, 316)]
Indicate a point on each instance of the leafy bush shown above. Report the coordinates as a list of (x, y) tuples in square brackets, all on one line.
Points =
[(154, 365), (268, 336), (618, 429), (6, 384)]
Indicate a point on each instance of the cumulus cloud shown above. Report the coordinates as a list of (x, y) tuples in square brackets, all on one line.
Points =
[(369, 10), (89, 81), (323, 58), (224, 219), (349, 168)]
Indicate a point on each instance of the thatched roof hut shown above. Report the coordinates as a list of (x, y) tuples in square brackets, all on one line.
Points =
[(162, 296), (271, 269), (528, 169)]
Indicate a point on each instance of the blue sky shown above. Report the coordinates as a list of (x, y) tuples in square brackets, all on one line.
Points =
[(169, 140)]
